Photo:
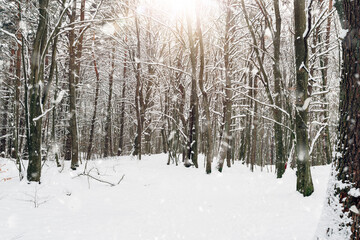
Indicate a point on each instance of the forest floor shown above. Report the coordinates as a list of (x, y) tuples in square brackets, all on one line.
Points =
[(155, 201)]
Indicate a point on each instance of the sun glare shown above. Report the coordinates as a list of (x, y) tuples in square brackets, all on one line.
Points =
[(177, 8), (181, 6)]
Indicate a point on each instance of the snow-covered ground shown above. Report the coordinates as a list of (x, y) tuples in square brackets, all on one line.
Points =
[(156, 201)]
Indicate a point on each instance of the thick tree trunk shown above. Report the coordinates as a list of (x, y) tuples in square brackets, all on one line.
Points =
[(194, 114), (304, 181), (72, 94), (35, 108), (348, 159)]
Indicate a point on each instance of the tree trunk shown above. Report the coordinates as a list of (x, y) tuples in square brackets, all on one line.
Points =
[(108, 137), (122, 109), (35, 108), (138, 93), (4, 121), (93, 119), (209, 142), (254, 127), (194, 114), (72, 93), (54, 144), (17, 97), (280, 155), (326, 135), (348, 159), (304, 181), (225, 145), (79, 47)]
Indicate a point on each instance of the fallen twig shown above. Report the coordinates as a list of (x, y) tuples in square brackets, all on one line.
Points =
[(100, 180)]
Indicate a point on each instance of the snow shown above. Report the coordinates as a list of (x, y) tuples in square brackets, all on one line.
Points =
[(343, 33), (156, 201), (267, 34), (332, 216), (306, 103), (59, 97), (354, 209), (355, 192), (108, 29)]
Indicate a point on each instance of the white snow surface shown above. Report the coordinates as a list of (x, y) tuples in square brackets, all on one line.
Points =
[(156, 201)]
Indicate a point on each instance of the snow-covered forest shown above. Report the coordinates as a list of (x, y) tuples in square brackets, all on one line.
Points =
[(180, 119)]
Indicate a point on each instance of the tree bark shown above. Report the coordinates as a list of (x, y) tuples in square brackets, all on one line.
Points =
[(122, 108), (194, 112), (348, 159), (225, 145), (304, 181), (93, 119), (138, 93), (35, 106), (72, 93), (254, 127), (280, 155), (108, 137), (209, 142), (326, 135)]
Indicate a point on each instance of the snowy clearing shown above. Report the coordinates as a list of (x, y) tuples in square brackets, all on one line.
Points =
[(156, 201)]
